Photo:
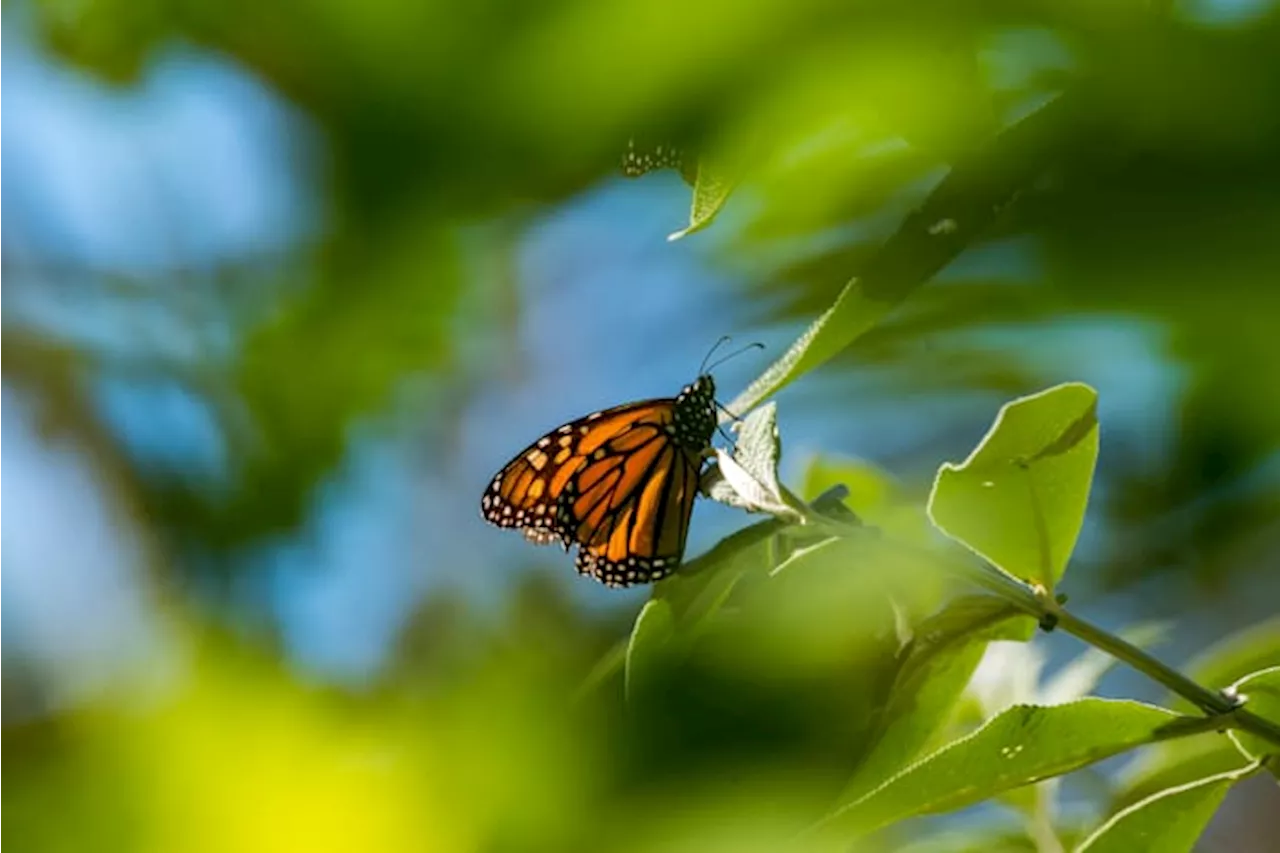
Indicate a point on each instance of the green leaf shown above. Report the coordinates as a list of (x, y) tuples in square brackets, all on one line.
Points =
[(1024, 744), (650, 635), (711, 190), (958, 211), (869, 488), (1173, 763), (1019, 499), (852, 314), (704, 578), (1167, 822), (935, 668), (986, 839), (1260, 692), (818, 551)]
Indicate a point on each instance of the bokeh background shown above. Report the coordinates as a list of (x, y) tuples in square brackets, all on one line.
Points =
[(285, 283)]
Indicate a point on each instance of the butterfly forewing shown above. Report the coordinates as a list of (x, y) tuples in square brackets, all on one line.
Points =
[(526, 494)]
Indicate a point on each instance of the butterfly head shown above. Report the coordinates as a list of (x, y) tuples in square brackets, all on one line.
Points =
[(694, 415)]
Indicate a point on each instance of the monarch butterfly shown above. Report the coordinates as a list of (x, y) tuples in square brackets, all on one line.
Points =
[(619, 484)]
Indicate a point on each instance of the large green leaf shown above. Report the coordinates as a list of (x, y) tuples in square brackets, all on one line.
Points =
[(1167, 822), (1024, 744), (1019, 499)]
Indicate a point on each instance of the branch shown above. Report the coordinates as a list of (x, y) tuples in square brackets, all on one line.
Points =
[(1221, 711)]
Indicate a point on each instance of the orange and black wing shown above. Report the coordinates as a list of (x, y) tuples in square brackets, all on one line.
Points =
[(615, 482), (632, 507), (527, 492)]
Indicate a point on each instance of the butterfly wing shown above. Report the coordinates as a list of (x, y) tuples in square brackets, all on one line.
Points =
[(634, 515), (526, 494), (615, 482)]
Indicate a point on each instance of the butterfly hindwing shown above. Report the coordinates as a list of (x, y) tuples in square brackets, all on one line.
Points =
[(643, 539)]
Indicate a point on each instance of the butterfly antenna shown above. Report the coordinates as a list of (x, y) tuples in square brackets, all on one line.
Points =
[(722, 408), (734, 354), (733, 443), (724, 339)]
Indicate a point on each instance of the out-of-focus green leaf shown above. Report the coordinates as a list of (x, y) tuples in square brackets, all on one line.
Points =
[(874, 497), (955, 214), (1260, 692), (848, 317), (698, 585), (1230, 659), (870, 488), (1020, 497), (1167, 822), (652, 631), (1024, 744), (936, 666), (711, 190), (818, 551)]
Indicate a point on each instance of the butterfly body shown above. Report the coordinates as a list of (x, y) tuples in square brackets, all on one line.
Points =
[(619, 484)]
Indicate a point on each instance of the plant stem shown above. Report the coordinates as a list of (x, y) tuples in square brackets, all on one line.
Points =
[(1041, 605), (1209, 701)]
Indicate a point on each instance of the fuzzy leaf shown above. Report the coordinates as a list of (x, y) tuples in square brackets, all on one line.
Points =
[(711, 189)]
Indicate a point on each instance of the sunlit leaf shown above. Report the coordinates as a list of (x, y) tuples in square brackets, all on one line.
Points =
[(1020, 497), (1167, 822), (1024, 744), (711, 190)]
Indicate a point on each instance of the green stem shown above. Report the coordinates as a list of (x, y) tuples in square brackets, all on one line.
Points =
[(1209, 701), (1041, 606)]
